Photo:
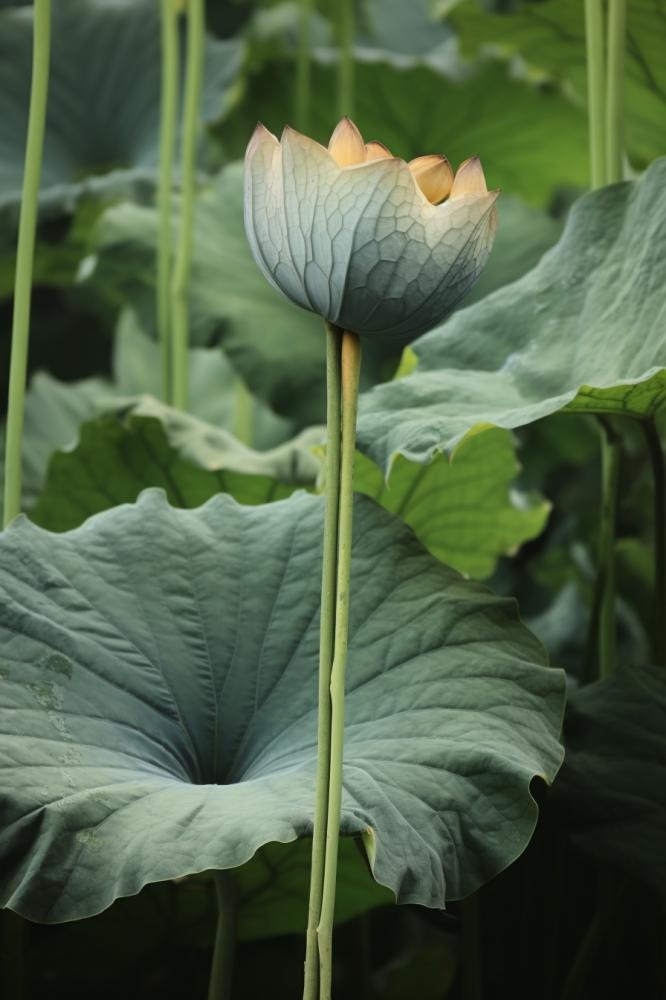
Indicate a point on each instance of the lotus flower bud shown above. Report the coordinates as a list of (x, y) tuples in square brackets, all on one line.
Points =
[(371, 243)]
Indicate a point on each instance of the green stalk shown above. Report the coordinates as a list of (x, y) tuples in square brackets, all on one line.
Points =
[(168, 120), (659, 479), (303, 67), (346, 28), (326, 637), (617, 21), (610, 480), (18, 367), (183, 261), (596, 86), (350, 370), (221, 972), (243, 415)]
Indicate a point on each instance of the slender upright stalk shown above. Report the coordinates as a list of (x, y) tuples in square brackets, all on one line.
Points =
[(350, 369), (610, 479), (303, 67), (617, 18), (221, 972), (18, 367), (326, 637), (346, 27), (168, 123), (183, 261), (659, 479), (596, 86), (243, 416)]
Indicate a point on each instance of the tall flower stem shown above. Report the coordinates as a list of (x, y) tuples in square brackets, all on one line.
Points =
[(303, 66), (168, 122), (326, 637), (183, 261), (596, 87), (617, 18), (610, 479), (350, 373), (221, 973), (41, 54), (346, 26), (659, 479)]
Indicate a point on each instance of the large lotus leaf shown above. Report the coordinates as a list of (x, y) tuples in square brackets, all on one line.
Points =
[(463, 511), (550, 36), (145, 444), (583, 330), (102, 126), (159, 704), (277, 348), (611, 794), (530, 138)]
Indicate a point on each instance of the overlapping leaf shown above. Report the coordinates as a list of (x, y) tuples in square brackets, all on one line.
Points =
[(550, 36), (583, 330), (159, 704), (103, 108)]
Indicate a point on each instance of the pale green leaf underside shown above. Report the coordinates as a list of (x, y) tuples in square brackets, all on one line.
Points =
[(462, 510), (584, 330), (143, 444), (159, 704), (102, 128)]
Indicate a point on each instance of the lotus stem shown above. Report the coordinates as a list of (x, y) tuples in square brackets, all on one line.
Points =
[(471, 948), (346, 26), (659, 479), (617, 20), (168, 121), (304, 66), (350, 373), (183, 261), (596, 86), (221, 973), (243, 415), (25, 252), (326, 638), (610, 480)]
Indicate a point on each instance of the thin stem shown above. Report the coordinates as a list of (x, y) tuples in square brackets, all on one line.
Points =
[(221, 972), (303, 66), (617, 20), (326, 637), (610, 479), (346, 28), (594, 38), (243, 416), (168, 122), (659, 478), (18, 367), (183, 262), (350, 369)]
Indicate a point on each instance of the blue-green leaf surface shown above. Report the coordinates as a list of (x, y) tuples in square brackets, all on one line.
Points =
[(158, 704), (583, 330)]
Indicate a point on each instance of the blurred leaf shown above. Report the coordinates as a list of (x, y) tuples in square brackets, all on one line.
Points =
[(276, 347), (611, 793), (583, 330), (102, 123), (462, 510), (448, 719), (529, 137), (147, 444), (550, 36)]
